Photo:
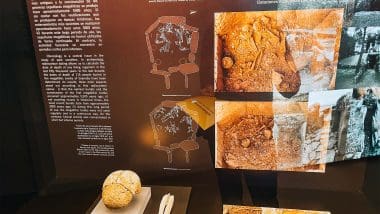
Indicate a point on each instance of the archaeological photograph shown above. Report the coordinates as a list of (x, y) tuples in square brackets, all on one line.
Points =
[(363, 130), (359, 61), (289, 133), (353, 9), (321, 128), (262, 136), (244, 138), (288, 53), (362, 13), (190, 106), (354, 122), (317, 132)]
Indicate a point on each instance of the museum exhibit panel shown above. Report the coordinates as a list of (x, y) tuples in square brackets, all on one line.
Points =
[(190, 106)]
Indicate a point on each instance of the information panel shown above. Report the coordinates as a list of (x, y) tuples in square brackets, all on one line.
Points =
[(113, 71)]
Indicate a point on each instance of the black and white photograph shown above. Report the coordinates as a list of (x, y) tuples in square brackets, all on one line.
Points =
[(323, 106), (354, 122), (356, 11), (359, 64), (364, 123), (190, 106)]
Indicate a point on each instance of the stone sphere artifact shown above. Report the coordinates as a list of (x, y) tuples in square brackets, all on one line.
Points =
[(119, 188)]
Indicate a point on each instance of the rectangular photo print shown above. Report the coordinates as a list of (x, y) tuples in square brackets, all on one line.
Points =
[(354, 131), (355, 11), (261, 136), (288, 53), (234, 209), (359, 58)]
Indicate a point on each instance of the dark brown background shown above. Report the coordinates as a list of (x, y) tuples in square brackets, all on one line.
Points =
[(134, 92), (25, 155)]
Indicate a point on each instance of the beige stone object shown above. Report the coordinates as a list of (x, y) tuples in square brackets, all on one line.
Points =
[(119, 188)]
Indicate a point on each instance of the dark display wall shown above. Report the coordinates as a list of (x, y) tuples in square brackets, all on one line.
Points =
[(109, 82), (25, 118), (17, 171)]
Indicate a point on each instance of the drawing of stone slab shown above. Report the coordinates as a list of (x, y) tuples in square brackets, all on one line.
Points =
[(173, 129), (172, 47)]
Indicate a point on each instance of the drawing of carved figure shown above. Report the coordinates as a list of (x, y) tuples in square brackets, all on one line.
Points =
[(173, 129), (172, 47)]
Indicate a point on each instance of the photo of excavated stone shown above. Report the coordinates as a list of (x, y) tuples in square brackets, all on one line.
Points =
[(289, 133), (359, 58), (244, 136), (262, 136), (356, 12), (318, 127), (317, 135), (285, 52), (354, 122)]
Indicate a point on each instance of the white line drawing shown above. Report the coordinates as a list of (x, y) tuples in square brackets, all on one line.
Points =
[(169, 121), (172, 47)]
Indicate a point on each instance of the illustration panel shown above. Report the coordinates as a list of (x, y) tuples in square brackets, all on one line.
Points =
[(354, 122), (173, 129), (172, 47), (261, 136), (288, 53)]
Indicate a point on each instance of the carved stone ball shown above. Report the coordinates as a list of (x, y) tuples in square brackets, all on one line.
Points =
[(116, 196), (227, 62), (119, 188)]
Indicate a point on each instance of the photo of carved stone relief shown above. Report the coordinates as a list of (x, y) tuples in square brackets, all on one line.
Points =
[(318, 127), (173, 129), (354, 122), (234, 209), (289, 133), (261, 136), (288, 53), (172, 47)]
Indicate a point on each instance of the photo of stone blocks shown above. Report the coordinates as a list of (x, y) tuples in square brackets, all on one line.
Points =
[(354, 130)]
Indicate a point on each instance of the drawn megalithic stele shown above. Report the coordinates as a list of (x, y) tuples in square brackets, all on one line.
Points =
[(352, 117), (172, 45)]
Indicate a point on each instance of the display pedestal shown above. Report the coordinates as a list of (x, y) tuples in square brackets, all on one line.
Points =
[(137, 205), (181, 199), (148, 201)]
